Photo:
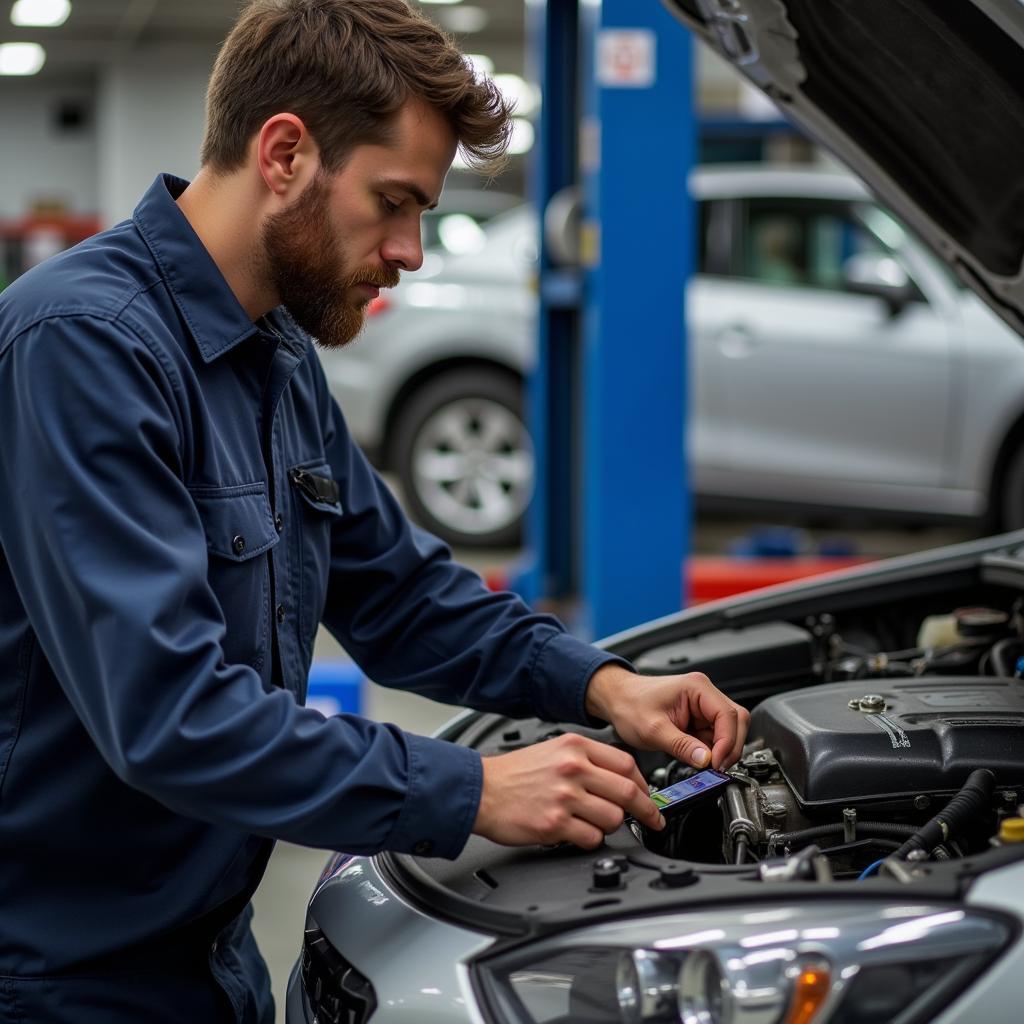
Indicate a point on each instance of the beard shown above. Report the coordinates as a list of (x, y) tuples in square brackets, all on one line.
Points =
[(304, 260)]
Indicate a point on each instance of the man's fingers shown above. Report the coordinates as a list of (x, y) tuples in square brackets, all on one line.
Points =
[(615, 760), (682, 746), (728, 720), (625, 796)]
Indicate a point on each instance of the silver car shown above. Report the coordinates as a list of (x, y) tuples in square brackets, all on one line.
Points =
[(863, 863), (836, 364)]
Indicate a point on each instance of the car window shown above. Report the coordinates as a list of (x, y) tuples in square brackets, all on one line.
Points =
[(800, 243)]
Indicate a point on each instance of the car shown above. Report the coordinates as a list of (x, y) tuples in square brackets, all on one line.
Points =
[(835, 365), (864, 864)]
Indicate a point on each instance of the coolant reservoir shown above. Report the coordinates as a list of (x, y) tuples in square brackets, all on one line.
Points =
[(938, 631)]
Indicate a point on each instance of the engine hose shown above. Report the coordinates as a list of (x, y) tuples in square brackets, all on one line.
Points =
[(1001, 661), (973, 798), (865, 830), (740, 855)]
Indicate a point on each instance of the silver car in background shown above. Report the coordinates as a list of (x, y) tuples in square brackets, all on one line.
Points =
[(834, 365)]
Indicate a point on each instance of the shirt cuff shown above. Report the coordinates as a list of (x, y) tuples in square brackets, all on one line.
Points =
[(442, 799), (562, 669)]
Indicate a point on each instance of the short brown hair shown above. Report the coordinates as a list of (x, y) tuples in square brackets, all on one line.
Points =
[(345, 67)]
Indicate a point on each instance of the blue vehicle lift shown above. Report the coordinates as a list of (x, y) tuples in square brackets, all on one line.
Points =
[(609, 527)]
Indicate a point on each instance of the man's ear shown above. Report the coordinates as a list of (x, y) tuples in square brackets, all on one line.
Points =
[(286, 155)]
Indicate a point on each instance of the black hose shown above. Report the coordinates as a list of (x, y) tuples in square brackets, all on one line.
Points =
[(1001, 663), (973, 798), (864, 828)]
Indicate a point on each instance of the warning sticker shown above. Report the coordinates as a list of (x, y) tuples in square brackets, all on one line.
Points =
[(626, 58)]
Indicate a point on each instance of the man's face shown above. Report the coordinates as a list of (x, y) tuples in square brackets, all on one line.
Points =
[(352, 232)]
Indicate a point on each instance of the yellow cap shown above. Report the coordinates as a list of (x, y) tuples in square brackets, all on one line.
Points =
[(1011, 830)]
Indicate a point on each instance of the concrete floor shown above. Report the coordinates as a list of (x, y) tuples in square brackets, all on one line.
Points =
[(280, 903)]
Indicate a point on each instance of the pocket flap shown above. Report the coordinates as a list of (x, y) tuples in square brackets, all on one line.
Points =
[(317, 488), (237, 520)]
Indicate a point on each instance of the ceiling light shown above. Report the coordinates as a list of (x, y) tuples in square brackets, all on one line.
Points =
[(21, 58), (482, 64), (463, 20), (523, 137), (40, 13), (515, 88), (440, 1)]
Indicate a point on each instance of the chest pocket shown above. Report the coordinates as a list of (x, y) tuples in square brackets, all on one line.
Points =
[(318, 507), (240, 531)]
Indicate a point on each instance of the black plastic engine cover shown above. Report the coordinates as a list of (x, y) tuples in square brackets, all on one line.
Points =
[(933, 733)]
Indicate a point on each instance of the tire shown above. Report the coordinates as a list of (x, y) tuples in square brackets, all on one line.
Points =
[(464, 457)]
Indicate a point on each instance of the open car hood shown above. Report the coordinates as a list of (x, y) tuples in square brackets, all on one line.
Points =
[(923, 100)]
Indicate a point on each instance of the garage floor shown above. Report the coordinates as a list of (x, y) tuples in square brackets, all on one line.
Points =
[(281, 901)]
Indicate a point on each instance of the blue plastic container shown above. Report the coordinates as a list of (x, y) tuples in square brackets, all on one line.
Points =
[(334, 687)]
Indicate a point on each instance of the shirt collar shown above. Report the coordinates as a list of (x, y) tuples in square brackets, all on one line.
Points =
[(215, 317)]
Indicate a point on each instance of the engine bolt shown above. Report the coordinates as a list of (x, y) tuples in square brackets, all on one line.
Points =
[(922, 802), (675, 876), (607, 873), (872, 703)]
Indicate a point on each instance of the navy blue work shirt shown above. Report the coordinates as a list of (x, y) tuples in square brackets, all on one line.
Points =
[(182, 506)]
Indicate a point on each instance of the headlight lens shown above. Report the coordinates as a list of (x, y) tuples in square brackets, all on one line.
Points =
[(834, 963)]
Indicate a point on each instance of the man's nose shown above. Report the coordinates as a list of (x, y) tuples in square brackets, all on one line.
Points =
[(404, 249)]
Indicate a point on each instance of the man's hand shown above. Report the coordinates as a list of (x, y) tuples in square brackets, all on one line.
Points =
[(684, 716), (570, 789)]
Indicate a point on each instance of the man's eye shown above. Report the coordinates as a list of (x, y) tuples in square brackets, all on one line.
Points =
[(389, 205)]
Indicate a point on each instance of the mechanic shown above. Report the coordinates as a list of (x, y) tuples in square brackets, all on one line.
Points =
[(183, 507)]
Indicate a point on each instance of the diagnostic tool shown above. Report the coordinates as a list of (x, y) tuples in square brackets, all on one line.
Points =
[(683, 795)]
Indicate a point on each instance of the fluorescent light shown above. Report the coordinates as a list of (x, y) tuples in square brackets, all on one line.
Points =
[(463, 20), (21, 58), (523, 137), (440, 1), (525, 96), (41, 13), (482, 64)]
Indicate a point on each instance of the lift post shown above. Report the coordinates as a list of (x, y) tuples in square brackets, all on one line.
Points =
[(609, 527)]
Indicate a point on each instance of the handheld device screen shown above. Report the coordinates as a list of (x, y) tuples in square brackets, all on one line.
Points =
[(696, 787)]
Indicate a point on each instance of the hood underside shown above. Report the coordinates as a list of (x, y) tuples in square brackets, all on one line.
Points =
[(923, 100)]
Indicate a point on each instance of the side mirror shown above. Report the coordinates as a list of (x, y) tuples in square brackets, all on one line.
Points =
[(562, 231), (881, 276)]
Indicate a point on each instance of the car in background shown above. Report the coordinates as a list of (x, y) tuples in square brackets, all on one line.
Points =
[(835, 364)]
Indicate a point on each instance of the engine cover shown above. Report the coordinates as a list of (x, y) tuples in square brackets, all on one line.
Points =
[(931, 734)]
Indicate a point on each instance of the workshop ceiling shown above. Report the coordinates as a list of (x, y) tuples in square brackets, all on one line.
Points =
[(99, 32)]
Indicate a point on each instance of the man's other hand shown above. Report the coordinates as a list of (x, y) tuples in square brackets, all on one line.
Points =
[(570, 789), (685, 716)]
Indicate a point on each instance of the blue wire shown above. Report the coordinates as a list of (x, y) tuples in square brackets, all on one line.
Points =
[(870, 870)]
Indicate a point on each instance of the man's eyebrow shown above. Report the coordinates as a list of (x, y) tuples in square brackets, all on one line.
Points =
[(412, 188)]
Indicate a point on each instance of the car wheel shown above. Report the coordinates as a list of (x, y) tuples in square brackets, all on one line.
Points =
[(465, 458), (1011, 495)]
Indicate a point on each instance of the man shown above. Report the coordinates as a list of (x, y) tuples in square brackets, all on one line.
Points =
[(183, 506)]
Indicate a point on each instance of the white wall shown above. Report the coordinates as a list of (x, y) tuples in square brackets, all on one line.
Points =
[(150, 117), (38, 162)]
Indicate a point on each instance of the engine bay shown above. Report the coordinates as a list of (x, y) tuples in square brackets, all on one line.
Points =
[(859, 758), (886, 747)]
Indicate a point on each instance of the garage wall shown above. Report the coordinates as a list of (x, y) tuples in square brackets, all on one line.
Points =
[(151, 116), (40, 161)]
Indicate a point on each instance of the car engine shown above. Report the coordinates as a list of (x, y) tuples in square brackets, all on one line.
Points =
[(870, 749)]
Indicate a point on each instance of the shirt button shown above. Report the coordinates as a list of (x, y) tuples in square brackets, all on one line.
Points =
[(280, 613), (279, 522), (423, 847), (238, 544)]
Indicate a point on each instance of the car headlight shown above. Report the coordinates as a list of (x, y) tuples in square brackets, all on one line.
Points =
[(811, 964)]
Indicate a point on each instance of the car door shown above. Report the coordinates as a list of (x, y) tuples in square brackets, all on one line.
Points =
[(828, 395)]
